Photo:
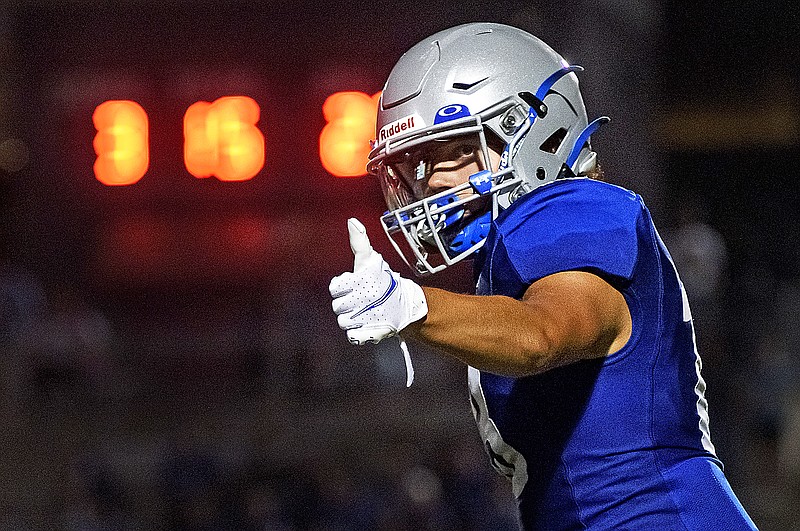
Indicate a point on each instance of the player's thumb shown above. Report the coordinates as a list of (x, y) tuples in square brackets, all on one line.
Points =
[(359, 243)]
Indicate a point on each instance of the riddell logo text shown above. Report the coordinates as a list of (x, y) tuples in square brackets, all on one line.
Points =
[(399, 126)]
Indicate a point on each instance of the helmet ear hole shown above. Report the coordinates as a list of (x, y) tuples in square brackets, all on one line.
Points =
[(541, 174), (554, 141)]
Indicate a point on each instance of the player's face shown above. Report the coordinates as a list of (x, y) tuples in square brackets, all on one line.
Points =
[(454, 162), (442, 165), (427, 189)]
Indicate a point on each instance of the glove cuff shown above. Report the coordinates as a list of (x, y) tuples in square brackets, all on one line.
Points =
[(415, 303)]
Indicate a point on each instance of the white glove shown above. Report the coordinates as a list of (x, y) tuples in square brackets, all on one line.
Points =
[(373, 302)]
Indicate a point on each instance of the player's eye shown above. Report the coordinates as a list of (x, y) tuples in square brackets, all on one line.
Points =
[(466, 150), (455, 153), (461, 151)]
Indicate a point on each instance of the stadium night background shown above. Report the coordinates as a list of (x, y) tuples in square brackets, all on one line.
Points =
[(168, 357)]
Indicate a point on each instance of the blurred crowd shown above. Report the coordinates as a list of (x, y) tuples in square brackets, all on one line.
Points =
[(249, 411), (234, 415)]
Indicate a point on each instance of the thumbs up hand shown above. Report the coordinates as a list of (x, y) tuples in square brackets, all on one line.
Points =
[(373, 302), (359, 244)]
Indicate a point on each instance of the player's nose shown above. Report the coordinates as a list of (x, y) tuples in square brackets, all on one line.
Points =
[(444, 179)]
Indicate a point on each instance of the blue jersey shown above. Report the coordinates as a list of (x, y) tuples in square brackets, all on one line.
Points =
[(618, 442)]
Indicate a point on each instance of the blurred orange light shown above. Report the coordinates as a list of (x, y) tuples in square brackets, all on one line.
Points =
[(221, 139), (121, 142), (344, 141)]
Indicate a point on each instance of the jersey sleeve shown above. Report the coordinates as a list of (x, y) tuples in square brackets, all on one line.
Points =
[(573, 225)]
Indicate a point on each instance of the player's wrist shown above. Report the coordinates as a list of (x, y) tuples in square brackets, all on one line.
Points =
[(415, 302)]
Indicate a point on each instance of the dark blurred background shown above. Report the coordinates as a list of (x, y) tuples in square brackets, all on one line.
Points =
[(168, 357)]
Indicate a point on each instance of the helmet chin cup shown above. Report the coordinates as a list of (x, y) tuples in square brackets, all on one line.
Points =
[(473, 233), (443, 218), (456, 231)]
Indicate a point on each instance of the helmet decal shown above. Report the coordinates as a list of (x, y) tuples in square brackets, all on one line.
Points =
[(481, 181), (451, 112), (402, 125)]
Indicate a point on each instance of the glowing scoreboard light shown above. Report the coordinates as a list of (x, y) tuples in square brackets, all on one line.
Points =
[(121, 142), (345, 140), (221, 139)]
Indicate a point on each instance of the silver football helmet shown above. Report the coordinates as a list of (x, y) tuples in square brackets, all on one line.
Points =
[(497, 88)]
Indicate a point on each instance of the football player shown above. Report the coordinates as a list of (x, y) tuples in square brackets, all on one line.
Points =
[(583, 372)]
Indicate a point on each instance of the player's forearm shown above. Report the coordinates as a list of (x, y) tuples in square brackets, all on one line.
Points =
[(491, 333)]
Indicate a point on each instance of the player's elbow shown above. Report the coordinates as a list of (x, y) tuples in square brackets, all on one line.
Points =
[(535, 354), (539, 353)]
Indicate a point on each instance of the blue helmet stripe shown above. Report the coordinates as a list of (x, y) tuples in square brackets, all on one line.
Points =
[(548, 83), (583, 138)]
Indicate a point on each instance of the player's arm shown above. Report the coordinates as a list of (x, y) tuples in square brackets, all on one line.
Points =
[(562, 318)]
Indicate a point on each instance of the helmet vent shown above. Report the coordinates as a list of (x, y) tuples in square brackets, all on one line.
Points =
[(541, 174), (467, 86), (554, 141)]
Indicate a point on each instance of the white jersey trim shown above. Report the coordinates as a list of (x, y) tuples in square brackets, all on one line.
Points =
[(700, 386), (507, 461)]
